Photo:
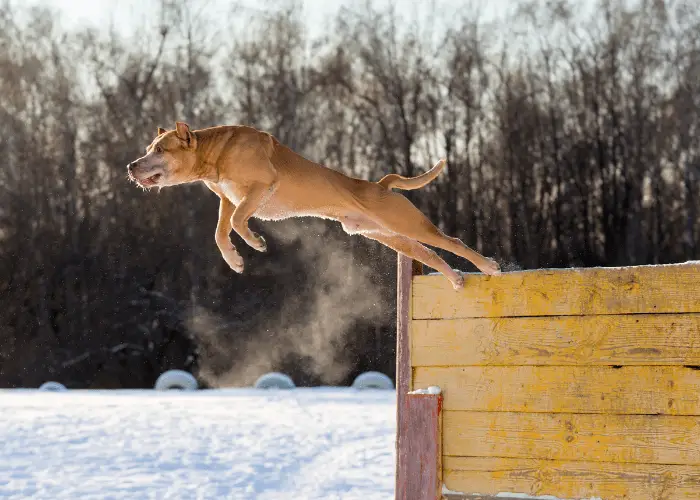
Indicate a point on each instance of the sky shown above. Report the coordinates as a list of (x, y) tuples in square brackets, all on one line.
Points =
[(130, 18), (125, 12)]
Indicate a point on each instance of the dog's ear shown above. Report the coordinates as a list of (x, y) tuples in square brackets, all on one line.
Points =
[(183, 132), (161, 131)]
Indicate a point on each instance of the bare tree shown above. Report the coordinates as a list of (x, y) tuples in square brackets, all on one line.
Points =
[(571, 139)]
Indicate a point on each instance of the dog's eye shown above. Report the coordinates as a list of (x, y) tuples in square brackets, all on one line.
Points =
[(159, 149)]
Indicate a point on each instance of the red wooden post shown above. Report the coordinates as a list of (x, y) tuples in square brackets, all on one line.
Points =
[(419, 477), (417, 415), (406, 269)]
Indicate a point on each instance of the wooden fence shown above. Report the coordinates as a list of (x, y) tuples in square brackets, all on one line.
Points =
[(573, 383)]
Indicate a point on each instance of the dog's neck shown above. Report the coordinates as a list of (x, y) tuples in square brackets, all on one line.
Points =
[(210, 146)]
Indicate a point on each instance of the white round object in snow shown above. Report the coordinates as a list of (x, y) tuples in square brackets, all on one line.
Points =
[(274, 380), (176, 380), (52, 386), (373, 380)]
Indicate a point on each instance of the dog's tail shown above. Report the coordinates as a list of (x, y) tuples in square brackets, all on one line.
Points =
[(409, 183)]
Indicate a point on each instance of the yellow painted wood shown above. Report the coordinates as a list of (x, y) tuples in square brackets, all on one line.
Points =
[(672, 390), (662, 339), (585, 291), (562, 479), (651, 439)]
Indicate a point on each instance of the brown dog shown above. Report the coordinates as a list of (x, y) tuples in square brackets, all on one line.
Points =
[(255, 175)]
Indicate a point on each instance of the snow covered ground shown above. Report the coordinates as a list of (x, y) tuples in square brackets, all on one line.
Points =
[(320, 443)]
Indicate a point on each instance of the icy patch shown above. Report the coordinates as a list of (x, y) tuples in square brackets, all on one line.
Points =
[(435, 273), (585, 269)]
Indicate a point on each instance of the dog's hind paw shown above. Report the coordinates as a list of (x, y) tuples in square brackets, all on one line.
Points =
[(490, 267)]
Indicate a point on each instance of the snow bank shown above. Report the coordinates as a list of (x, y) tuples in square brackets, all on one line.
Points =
[(319, 443)]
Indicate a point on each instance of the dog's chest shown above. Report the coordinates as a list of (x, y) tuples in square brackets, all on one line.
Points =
[(267, 209)]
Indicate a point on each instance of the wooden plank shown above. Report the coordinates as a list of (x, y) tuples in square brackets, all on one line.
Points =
[(406, 269), (650, 439), (635, 339), (421, 477), (561, 479), (562, 292), (669, 390)]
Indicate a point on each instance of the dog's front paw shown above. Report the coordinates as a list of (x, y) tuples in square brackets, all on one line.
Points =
[(234, 261), (458, 281), (260, 243)]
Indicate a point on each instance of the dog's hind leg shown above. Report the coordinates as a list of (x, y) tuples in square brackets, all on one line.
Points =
[(415, 250), (397, 214)]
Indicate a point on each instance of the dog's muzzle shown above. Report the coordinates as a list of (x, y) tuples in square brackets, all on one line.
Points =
[(146, 179)]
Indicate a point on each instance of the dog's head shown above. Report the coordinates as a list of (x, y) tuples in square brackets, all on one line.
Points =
[(169, 160)]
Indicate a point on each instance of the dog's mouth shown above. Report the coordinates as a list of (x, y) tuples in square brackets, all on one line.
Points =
[(152, 180), (147, 182)]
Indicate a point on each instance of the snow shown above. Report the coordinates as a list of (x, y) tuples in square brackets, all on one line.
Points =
[(433, 389), (448, 493), (688, 263), (308, 443)]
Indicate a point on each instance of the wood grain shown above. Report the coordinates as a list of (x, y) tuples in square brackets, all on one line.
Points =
[(636, 339), (403, 325), (669, 390), (649, 439), (421, 477), (562, 479), (406, 269), (559, 292)]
